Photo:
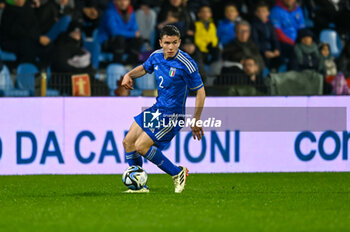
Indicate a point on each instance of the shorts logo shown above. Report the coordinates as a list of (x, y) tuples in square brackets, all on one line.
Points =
[(151, 119), (172, 72)]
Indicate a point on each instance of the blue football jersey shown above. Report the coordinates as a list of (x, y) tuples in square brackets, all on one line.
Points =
[(175, 77)]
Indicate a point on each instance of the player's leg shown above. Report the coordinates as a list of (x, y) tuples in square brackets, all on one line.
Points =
[(144, 146), (131, 155)]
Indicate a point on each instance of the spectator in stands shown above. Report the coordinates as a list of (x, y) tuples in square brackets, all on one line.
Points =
[(344, 60), (232, 65), (329, 66), (20, 32), (226, 27), (251, 4), (242, 47), (205, 36), (287, 18), (69, 55), (322, 13), (176, 13), (146, 19), (306, 52), (71, 58), (55, 16), (251, 70), (194, 6), (118, 32), (244, 73), (91, 15), (189, 47), (245, 7), (326, 13), (264, 36)]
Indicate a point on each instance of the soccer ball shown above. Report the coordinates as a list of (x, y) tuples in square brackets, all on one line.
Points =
[(135, 177)]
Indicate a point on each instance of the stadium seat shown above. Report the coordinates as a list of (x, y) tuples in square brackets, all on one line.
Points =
[(147, 82), (105, 57), (94, 47), (332, 38), (114, 73), (6, 85), (265, 72), (26, 79), (7, 56), (136, 92)]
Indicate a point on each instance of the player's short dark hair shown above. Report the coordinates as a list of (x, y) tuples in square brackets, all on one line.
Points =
[(170, 30)]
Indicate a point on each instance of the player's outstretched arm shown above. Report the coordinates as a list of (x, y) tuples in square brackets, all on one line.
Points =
[(135, 73), (200, 98)]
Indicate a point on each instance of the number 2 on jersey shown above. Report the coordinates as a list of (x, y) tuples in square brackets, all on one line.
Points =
[(161, 82)]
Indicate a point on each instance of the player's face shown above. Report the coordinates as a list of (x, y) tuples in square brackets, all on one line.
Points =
[(170, 45)]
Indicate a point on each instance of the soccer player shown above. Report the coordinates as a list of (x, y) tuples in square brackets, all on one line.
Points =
[(176, 73)]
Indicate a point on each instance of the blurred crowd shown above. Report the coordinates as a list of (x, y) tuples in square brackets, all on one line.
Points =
[(237, 41)]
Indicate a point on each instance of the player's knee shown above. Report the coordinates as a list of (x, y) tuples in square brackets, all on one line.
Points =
[(127, 144), (141, 148)]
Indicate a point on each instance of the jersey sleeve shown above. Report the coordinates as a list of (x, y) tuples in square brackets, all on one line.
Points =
[(194, 81), (148, 65), (193, 78)]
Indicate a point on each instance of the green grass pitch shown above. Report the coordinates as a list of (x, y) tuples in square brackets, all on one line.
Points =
[(211, 202)]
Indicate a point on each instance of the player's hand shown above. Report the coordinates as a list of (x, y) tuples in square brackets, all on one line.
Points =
[(127, 82), (197, 132)]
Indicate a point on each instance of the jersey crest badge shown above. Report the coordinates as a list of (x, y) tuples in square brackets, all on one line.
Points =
[(172, 72)]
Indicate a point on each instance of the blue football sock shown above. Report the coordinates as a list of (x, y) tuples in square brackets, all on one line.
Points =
[(156, 156), (133, 158)]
